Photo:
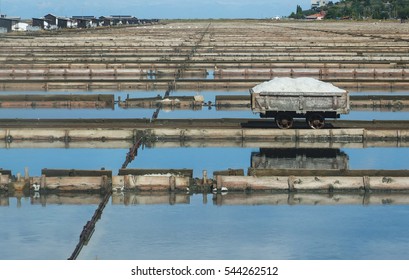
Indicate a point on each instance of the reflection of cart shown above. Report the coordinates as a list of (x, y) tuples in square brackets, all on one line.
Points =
[(286, 98), (287, 158)]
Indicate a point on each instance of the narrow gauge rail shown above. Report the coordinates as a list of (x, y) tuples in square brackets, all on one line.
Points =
[(192, 123)]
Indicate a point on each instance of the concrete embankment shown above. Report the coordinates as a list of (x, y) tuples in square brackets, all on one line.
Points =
[(316, 180), (275, 180), (187, 84), (394, 134)]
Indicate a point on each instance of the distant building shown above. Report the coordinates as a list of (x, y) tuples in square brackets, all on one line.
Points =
[(7, 23), (41, 22), (52, 19), (105, 21), (119, 20), (63, 22), (59, 22), (318, 16), (85, 21), (318, 3)]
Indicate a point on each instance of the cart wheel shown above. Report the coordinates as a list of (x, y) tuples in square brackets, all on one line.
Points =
[(284, 121), (316, 121)]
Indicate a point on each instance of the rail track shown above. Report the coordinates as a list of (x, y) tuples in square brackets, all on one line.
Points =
[(223, 123)]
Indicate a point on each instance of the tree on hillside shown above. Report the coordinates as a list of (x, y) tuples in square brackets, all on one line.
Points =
[(402, 9), (360, 9), (298, 13), (299, 10), (403, 13)]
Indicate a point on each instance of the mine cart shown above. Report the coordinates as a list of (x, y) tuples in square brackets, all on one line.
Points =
[(288, 98)]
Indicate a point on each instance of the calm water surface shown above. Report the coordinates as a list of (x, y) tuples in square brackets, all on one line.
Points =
[(205, 231), (202, 230)]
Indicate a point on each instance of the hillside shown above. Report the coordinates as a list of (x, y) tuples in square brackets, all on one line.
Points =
[(360, 9)]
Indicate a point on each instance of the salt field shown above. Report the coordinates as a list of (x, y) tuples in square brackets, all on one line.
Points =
[(202, 61)]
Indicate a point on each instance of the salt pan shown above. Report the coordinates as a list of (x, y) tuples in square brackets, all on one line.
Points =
[(296, 85)]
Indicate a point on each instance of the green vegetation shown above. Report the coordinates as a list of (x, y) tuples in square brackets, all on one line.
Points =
[(299, 14), (360, 9)]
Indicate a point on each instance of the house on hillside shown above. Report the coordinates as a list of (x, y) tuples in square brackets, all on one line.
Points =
[(318, 16)]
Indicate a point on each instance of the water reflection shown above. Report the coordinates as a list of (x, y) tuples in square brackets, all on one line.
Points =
[(209, 226), (299, 158), (216, 199), (211, 156), (50, 199), (295, 199), (148, 198)]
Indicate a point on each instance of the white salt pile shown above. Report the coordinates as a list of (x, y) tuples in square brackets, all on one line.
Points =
[(296, 85)]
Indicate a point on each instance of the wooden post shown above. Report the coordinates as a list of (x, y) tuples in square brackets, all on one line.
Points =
[(26, 175), (172, 198), (366, 183), (291, 183), (172, 182), (104, 183), (42, 182), (204, 177), (126, 182), (218, 182)]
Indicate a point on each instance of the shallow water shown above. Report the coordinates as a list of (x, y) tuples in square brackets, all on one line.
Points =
[(197, 226), (203, 230)]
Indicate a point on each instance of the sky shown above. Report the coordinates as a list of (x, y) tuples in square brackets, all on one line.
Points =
[(162, 9)]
